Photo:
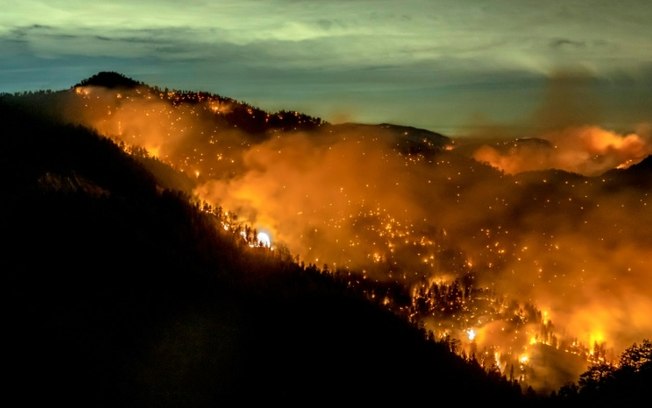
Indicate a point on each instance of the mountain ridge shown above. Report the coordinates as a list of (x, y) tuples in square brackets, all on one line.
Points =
[(115, 80)]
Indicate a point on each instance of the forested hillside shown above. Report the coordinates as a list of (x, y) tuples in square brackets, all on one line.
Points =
[(121, 292)]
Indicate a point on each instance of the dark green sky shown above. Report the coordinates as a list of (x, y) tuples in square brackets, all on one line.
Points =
[(446, 65)]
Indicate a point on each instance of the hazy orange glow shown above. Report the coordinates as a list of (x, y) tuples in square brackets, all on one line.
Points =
[(587, 150), (353, 198)]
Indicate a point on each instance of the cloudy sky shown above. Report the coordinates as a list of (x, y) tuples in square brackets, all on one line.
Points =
[(445, 65)]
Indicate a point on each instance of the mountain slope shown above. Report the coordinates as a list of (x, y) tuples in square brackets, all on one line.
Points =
[(124, 293)]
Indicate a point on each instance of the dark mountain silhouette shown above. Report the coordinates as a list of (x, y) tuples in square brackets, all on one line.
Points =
[(111, 80), (410, 140), (638, 176), (122, 292)]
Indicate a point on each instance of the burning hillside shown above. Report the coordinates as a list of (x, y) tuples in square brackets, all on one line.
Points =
[(518, 249)]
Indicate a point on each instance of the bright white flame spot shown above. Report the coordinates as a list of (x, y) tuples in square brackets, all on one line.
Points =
[(523, 359), (471, 334), (264, 239)]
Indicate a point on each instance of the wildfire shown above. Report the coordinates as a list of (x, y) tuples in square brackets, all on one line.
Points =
[(476, 251), (82, 90), (568, 149)]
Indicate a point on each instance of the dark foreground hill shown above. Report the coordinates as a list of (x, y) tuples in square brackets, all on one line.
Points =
[(119, 292)]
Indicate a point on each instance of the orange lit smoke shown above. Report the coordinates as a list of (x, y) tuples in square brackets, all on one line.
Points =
[(587, 150)]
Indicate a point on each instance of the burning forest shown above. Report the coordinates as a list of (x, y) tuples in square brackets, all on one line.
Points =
[(529, 254)]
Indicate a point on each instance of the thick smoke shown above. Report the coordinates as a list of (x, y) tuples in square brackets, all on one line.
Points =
[(587, 150), (365, 199)]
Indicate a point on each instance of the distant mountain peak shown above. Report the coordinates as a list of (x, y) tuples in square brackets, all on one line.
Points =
[(110, 79)]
